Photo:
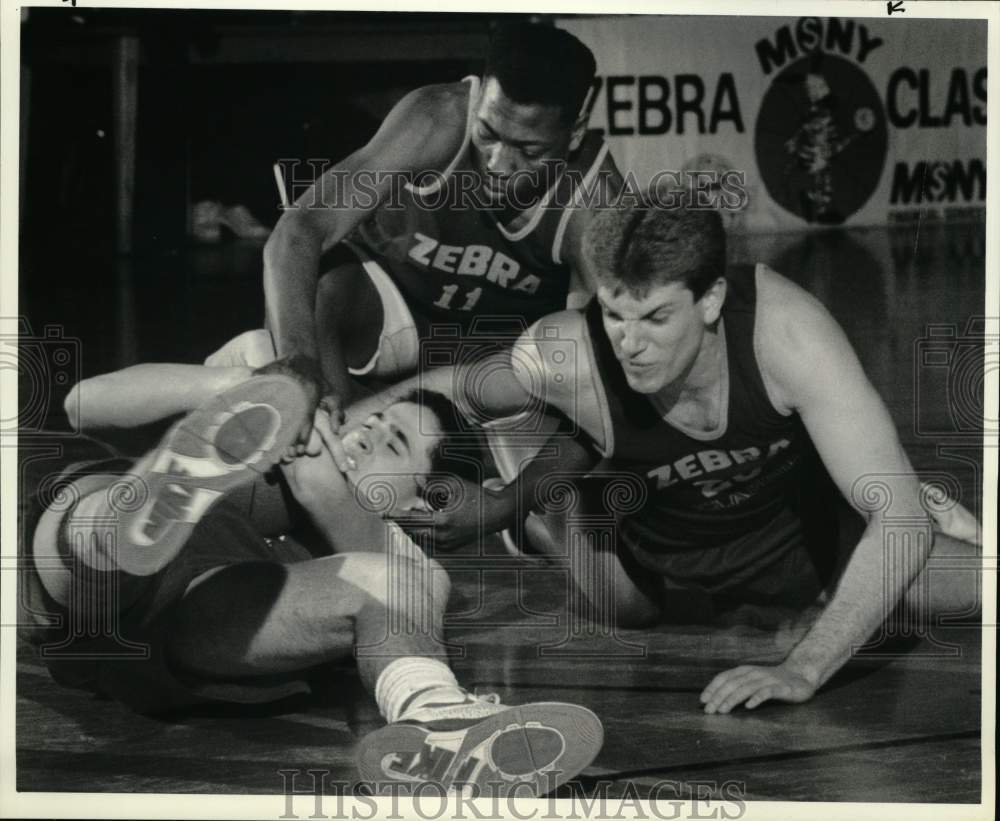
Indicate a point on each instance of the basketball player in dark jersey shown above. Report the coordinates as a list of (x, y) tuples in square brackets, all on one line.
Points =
[(501, 178), (718, 388), (156, 581)]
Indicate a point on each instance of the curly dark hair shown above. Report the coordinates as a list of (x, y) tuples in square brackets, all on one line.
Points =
[(541, 64)]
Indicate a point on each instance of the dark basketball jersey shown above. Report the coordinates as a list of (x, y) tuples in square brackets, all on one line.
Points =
[(454, 261), (705, 490)]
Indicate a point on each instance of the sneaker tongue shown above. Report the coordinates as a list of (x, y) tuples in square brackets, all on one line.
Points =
[(436, 697)]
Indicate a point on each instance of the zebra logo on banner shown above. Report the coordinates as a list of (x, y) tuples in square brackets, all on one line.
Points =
[(821, 138)]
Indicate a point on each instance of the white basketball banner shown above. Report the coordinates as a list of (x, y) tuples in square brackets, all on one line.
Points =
[(859, 121)]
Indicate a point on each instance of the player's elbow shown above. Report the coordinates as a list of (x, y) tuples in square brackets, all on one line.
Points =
[(440, 581), (906, 537), (86, 404)]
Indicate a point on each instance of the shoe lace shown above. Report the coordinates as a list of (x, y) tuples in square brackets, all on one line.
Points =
[(473, 706)]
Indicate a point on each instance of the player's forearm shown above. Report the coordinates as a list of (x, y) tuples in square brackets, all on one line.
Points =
[(873, 583), (291, 269), (563, 456), (146, 393)]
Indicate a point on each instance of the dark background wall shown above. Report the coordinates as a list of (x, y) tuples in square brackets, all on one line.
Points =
[(209, 127), (221, 97)]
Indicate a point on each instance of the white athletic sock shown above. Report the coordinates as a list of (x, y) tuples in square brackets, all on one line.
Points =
[(409, 676)]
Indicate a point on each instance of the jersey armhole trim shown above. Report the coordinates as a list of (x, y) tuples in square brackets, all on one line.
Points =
[(604, 409), (567, 213)]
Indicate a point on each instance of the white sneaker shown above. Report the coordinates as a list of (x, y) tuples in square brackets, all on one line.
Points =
[(225, 443), (481, 745)]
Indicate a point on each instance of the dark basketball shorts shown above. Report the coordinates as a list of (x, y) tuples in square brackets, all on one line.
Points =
[(772, 569), (122, 653), (784, 567)]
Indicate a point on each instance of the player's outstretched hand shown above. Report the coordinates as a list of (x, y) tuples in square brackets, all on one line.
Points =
[(309, 441), (752, 685)]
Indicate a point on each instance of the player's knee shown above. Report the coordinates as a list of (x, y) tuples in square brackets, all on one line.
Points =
[(438, 579), (71, 405), (251, 348)]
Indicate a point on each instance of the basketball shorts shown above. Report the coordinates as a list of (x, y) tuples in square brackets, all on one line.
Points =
[(784, 567), (121, 653)]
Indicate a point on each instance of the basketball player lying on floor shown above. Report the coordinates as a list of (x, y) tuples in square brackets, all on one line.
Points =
[(502, 178), (724, 392), (227, 615)]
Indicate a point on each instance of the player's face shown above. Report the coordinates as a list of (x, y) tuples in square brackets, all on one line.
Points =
[(656, 338), (392, 451), (516, 146)]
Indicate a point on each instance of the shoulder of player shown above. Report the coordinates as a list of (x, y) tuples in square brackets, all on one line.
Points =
[(554, 348), (429, 120), (442, 103), (795, 336)]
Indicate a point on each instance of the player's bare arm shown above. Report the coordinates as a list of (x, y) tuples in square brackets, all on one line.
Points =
[(548, 365), (146, 393), (810, 368), (422, 132)]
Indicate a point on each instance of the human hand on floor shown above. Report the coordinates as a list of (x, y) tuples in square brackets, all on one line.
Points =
[(752, 685)]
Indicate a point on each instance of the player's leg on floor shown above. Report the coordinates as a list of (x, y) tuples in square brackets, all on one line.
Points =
[(439, 732), (251, 349), (257, 618), (949, 583), (227, 442), (603, 572), (388, 609)]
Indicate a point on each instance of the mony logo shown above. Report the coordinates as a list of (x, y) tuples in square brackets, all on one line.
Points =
[(821, 138)]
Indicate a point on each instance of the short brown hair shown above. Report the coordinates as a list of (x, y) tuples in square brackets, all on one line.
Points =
[(640, 246)]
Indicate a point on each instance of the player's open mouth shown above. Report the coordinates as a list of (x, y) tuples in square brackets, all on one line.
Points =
[(358, 444)]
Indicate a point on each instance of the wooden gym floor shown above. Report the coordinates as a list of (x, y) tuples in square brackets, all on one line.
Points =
[(898, 725)]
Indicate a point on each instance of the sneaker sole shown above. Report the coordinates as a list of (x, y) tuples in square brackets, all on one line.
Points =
[(542, 745), (223, 444)]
